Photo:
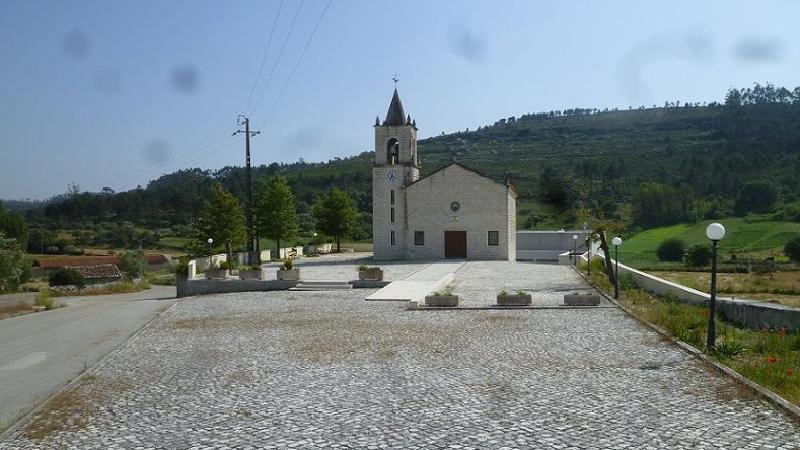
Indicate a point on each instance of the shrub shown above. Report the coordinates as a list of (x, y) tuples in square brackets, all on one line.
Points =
[(224, 265), (697, 256), (67, 277), (44, 299), (729, 348), (182, 268), (131, 265), (363, 267), (671, 250), (288, 264), (792, 249)]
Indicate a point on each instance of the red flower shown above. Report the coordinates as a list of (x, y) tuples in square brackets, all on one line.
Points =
[(782, 332), (789, 371), (771, 359)]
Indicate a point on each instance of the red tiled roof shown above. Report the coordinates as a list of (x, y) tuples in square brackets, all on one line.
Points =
[(98, 271)]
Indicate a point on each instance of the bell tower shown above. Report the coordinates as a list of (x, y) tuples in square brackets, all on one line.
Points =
[(395, 166)]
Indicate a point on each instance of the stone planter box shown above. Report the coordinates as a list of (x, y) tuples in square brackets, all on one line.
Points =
[(441, 301), (514, 300), (217, 274), (251, 274), (289, 275), (371, 274), (581, 299)]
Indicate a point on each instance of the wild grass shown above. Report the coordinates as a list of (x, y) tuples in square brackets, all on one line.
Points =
[(125, 287), (785, 286), (14, 310), (770, 358)]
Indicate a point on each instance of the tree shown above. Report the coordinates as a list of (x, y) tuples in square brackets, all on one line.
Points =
[(792, 249), (670, 250), (13, 269), (39, 239), (599, 227), (275, 211), (756, 197), (67, 277), (657, 204), (335, 215), (697, 256), (13, 225), (222, 220), (552, 188), (131, 264)]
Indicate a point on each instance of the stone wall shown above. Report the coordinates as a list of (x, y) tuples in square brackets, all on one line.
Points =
[(547, 245)]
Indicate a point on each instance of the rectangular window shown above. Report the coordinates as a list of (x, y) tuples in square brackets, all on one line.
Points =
[(391, 238), (494, 238), (391, 215), (419, 238), (391, 197)]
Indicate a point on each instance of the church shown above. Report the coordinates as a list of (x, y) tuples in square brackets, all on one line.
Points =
[(452, 213)]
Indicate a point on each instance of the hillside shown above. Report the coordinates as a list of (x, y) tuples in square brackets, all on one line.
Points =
[(701, 157)]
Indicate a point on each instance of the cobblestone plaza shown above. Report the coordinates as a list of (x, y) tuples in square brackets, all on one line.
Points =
[(329, 370)]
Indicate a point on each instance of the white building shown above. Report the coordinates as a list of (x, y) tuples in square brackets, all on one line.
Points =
[(454, 212)]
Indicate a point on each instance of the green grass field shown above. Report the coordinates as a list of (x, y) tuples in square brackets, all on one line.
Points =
[(747, 237)]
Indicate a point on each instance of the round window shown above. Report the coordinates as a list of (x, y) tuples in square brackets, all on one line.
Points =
[(455, 206)]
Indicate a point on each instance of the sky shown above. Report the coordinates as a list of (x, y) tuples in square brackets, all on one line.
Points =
[(116, 93)]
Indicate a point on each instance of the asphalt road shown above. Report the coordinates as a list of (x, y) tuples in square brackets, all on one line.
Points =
[(41, 352)]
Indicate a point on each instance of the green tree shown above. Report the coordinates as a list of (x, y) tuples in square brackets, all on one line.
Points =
[(335, 215), (13, 225), (222, 220), (656, 204), (756, 197), (67, 277), (698, 256), (671, 249), (13, 269), (792, 249), (275, 210), (39, 239), (131, 264)]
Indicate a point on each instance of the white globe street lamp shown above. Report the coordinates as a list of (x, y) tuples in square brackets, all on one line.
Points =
[(210, 241), (575, 250), (715, 232), (617, 241)]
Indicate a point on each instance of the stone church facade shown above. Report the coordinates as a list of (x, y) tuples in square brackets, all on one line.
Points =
[(453, 213)]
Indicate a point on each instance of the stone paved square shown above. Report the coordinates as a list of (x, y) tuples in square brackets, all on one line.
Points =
[(329, 370)]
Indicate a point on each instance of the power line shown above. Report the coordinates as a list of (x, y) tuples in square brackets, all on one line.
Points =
[(212, 150), (280, 54), (186, 151), (264, 56), (297, 64)]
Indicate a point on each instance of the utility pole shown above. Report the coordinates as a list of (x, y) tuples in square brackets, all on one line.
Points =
[(244, 120)]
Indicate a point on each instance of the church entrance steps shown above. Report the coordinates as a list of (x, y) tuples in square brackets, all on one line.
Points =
[(323, 286), (417, 285)]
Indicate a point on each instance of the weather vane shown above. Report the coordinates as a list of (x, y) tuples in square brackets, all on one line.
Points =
[(395, 79)]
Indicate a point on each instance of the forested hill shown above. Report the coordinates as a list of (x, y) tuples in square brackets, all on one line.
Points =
[(700, 158)]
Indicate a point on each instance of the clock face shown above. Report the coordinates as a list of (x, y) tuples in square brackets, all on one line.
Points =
[(391, 176), (455, 206)]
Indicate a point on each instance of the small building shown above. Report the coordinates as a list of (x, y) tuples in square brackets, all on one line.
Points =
[(454, 212), (99, 274)]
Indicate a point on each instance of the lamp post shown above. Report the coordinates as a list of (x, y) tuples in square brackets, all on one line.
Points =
[(574, 250), (617, 241), (210, 241), (715, 232)]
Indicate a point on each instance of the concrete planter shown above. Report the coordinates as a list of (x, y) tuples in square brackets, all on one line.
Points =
[(581, 299), (289, 274), (371, 274), (514, 300), (251, 274), (441, 301), (217, 274)]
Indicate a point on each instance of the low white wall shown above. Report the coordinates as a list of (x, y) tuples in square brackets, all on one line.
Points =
[(288, 250), (747, 313), (199, 265)]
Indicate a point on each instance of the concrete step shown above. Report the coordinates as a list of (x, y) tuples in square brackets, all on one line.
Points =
[(323, 286)]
